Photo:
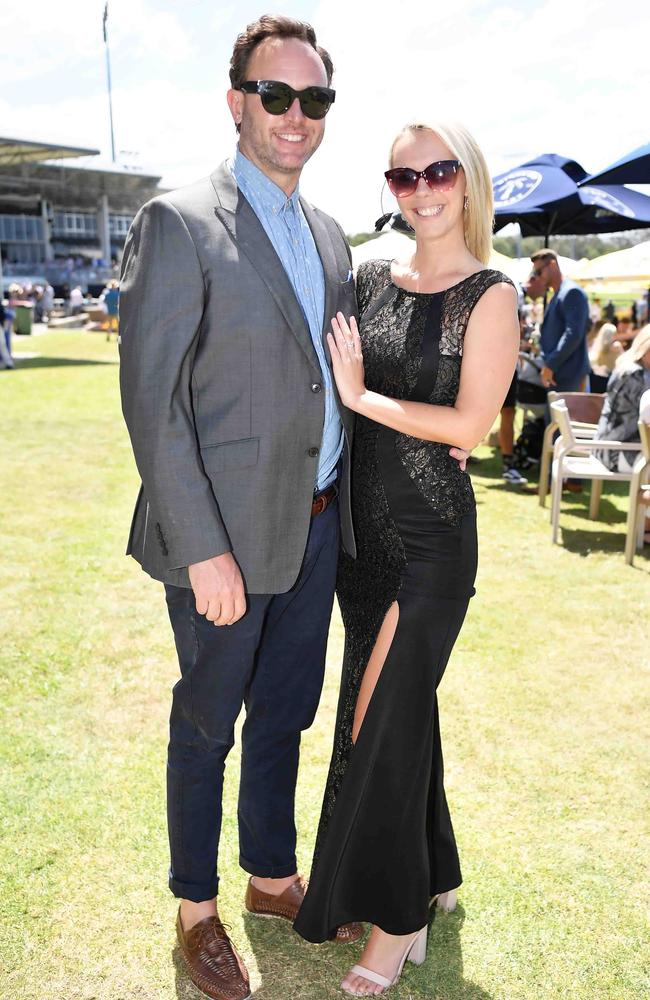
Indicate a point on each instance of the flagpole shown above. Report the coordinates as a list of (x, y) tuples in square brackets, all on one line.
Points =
[(108, 77)]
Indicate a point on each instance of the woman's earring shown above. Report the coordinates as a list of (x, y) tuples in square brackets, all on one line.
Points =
[(465, 203)]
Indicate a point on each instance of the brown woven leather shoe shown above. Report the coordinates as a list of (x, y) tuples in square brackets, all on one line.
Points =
[(287, 904), (212, 961)]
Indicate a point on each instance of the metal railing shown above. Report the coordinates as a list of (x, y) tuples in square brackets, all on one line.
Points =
[(57, 273)]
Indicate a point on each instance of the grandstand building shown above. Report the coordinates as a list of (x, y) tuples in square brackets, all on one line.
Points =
[(63, 216)]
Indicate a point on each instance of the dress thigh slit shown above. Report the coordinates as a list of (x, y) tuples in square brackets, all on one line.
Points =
[(374, 667)]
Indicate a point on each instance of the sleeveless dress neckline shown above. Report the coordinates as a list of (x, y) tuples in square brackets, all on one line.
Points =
[(442, 291)]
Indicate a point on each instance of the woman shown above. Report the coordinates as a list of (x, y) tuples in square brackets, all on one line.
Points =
[(619, 420), (603, 354), (439, 337)]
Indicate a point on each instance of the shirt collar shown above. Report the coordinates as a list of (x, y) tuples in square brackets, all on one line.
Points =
[(249, 177)]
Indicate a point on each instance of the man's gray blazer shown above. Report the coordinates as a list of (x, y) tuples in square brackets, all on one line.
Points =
[(221, 386)]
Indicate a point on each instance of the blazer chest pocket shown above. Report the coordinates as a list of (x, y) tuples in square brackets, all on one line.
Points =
[(347, 299), (230, 455)]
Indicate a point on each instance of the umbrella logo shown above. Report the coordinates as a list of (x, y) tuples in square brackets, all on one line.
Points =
[(515, 186), (596, 196)]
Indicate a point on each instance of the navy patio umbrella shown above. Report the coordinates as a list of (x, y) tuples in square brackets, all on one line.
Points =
[(634, 168), (543, 195)]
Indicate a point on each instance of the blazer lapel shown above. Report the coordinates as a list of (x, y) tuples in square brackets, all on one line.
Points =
[(328, 260), (249, 235), (327, 255)]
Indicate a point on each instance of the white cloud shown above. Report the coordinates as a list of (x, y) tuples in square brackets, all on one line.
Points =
[(534, 76), (539, 77), (67, 36)]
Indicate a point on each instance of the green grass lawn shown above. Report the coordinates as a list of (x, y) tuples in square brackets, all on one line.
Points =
[(543, 715)]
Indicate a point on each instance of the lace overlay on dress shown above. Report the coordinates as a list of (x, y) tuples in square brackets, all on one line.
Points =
[(393, 351)]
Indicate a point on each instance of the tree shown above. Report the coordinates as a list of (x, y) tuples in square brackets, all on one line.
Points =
[(571, 246)]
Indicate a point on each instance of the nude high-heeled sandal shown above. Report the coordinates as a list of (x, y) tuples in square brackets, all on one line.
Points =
[(415, 951), (446, 901)]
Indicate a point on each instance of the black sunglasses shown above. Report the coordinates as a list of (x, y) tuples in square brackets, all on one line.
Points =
[(278, 97), (440, 176)]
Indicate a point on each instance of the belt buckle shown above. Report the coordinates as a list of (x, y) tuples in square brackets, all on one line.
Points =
[(318, 505)]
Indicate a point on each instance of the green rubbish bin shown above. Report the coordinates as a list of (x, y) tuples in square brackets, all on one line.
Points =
[(23, 318)]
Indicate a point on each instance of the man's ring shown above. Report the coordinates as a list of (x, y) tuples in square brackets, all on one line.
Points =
[(350, 344)]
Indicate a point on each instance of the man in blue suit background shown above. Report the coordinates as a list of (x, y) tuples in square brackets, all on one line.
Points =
[(565, 326)]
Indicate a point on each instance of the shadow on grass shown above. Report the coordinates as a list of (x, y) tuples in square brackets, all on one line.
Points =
[(443, 969), (528, 491), (608, 512), (487, 469), (45, 362), (291, 967), (576, 504), (185, 988), (584, 542)]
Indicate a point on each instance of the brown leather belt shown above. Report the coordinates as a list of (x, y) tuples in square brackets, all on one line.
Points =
[(322, 500)]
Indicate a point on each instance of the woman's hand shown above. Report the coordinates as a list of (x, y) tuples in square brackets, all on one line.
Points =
[(347, 359), (461, 455)]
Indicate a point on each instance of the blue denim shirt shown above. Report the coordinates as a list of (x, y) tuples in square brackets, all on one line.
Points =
[(288, 230)]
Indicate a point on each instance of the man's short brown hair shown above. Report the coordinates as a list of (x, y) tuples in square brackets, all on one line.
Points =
[(544, 255), (272, 26)]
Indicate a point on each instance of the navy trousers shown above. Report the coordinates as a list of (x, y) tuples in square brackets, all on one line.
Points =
[(272, 660)]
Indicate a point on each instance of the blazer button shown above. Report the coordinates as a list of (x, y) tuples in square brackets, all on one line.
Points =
[(312, 452), (316, 387)]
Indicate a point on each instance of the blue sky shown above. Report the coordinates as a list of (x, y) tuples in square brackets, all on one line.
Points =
[(563, 76)]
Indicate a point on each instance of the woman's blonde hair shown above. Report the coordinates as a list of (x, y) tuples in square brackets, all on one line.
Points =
[(637, 349), (601, 352), (478, 217)]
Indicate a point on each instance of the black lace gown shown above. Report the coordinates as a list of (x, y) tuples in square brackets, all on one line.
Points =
[(385, 842)]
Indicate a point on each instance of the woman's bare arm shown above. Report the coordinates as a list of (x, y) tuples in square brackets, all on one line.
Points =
[(489, 357)]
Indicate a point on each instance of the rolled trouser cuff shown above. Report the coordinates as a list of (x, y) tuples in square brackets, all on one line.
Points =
[(268, 871), (192, 890)]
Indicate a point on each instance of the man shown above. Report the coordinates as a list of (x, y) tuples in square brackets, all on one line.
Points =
[(227, 289), (76, 301), (564, 330), (242, 446)]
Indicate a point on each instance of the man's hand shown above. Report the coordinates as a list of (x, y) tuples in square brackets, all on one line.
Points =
[(461, 456), (547, 377), (218, 589)]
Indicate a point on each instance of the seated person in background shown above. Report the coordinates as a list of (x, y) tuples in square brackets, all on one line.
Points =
[(644, 407), (603, 355), (76, 301), (644, 415), (620, 417)]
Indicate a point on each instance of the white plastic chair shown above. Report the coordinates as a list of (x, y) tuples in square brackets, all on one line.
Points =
[(584, 412), (575, 460)]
